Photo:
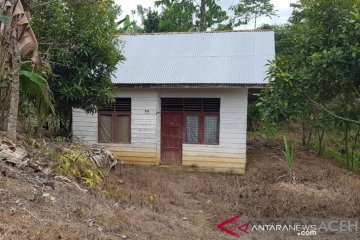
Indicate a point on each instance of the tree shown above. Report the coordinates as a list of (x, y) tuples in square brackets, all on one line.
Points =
[(215, 16), (315, 78), (150, 19), (247, 10), (176, 15), (203, 16), (183, 15), (17, 40), (36, 98), (79, 39)]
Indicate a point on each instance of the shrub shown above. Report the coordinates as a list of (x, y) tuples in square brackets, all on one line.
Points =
[(77, 166)]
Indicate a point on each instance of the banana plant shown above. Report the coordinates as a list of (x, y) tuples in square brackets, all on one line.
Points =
[(35, 89)]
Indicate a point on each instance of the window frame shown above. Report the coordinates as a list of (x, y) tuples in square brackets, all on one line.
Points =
[(114, 126), (202, 127)]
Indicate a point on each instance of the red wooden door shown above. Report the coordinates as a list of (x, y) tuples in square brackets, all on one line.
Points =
[(171, 138)]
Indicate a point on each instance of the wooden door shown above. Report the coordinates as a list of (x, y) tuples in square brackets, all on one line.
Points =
[(171, 138)]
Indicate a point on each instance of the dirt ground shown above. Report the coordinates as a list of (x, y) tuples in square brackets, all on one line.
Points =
[(164, 203)]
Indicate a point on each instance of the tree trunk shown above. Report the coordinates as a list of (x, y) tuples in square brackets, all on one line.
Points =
[(14, 95), (321, 137), (309, 135), (354, 147), (13, 111), (346, 143), (255, 22), (203, 16), (303, 139)]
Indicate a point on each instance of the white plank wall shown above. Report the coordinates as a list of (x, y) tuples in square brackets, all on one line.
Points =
[(85, 126)]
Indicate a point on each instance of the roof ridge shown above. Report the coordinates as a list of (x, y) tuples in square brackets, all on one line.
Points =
[(208, 32)]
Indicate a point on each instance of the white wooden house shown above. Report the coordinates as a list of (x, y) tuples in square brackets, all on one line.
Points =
[(181, 99)]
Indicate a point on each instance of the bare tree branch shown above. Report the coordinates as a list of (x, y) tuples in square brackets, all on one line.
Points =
[(43, 4), (331, 113)]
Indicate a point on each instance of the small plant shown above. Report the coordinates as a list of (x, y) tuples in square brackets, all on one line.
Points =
[(110, 191), (289, 158), (59, 139), (76, 165), (91, 179), (153, 199)]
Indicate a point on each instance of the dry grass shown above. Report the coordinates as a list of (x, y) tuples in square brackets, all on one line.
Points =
[(162, 203)]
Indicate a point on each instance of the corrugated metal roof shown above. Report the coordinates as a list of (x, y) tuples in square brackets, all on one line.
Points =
[(197, 58)]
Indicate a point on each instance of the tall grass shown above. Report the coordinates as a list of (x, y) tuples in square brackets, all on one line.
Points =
[(289, 158)]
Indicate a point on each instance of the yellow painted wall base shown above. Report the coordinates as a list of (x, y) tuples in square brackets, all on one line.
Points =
[(189, 163), (238, 171), (216, 164), (138, 158)]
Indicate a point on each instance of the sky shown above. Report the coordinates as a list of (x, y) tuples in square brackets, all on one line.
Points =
[(282, 6)]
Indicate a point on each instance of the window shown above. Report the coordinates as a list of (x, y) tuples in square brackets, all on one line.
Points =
[(115, 122), (202, 128), (192, 128), (211, 129), (201, 118)]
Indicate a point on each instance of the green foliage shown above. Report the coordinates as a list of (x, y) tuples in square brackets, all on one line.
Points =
[(253, 117), (152, 21), (59, 139), (181, 16), (36, 98), (79, 39), (247, 10), (314, 80), (35, 87), (91, 179), (176, 15), (76, 165), (266, 130), (127, 25), (216, 17)]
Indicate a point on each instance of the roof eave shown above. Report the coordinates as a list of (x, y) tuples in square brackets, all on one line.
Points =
[(192, 85)]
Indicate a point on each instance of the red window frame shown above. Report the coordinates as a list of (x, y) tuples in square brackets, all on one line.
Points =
[(114, 126), (202, 127), (115, 111)]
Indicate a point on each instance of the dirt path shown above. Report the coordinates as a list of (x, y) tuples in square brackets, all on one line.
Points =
[(161, 203)]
